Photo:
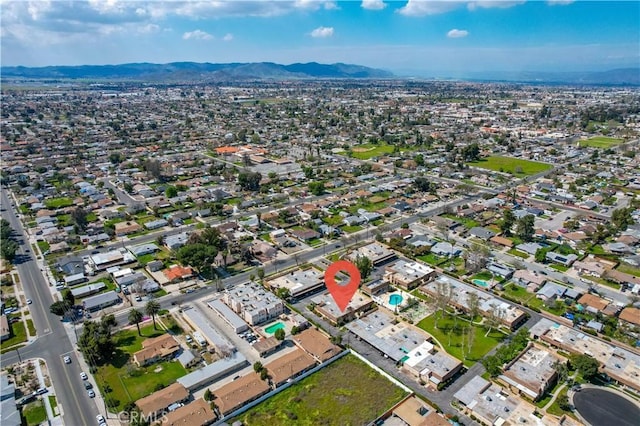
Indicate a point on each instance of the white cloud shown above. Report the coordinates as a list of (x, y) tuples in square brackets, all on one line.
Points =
[(373, 4), (149, 29), (315, 4), (197, 35), (455, 33), (559, 2), (428, 7), (227, 37), (490, 4), (322, 32)]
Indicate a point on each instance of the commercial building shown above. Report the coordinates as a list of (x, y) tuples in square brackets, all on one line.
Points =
[(408, 275), (300, 283), (326, 306), (393, 339), (212, 372), (412, 411), (289, 366), (234, 321), (102, 261), (376, 252), (494, 406), (156, 349), (239, 392), (198, 412), (102, 300), (253, 303), (509, 315), (159, 401), (532, 373), (199, 322), (618, 363)]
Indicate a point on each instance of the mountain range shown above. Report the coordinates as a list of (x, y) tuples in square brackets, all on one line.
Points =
[(193, 71)]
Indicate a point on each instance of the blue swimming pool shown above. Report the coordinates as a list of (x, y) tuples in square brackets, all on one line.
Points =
[(481, 283), (395, 299)]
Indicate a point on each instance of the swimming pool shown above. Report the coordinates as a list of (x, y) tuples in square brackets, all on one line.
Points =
[(481, 283), (395, 299), (273, 327)]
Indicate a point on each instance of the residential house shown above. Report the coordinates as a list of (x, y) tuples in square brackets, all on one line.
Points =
[(316, 344), (176, 273), (408, 275), (156, 349), (198, 412), (239, 392), (157, 403), (289, 366)]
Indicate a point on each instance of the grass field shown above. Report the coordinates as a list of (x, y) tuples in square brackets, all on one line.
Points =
[(367, 151), (600, 142), (514, 166), (346, 392), (34, 413), (451, 337), (56, 203), (128, 383), (18, 335)]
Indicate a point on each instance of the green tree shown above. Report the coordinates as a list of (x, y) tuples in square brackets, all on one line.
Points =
[(257, 366), (525, 228), (508, 219), (96, 342), (135, 317), (249, 181), (171, 192), (586, 365), (316, 188), (59, 308), (279, 334), (79, 217), (68, 297), (260, 273), (364, 265), (208, 395), (152, 308), (621, 218)]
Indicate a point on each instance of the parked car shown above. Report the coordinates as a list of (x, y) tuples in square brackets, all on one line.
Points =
[(67, 359), (88, 385), (91, 393), (83, 376)]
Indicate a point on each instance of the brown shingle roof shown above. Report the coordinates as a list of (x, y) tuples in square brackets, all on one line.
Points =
[(593, 301), (240, 391), (316, 344), (631, 315), (197, 412), (163, 398), (289, 365)]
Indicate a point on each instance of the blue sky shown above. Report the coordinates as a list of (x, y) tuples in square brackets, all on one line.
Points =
[(438, 38)]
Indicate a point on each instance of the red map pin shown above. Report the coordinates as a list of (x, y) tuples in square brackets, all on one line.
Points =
[(343, 292)]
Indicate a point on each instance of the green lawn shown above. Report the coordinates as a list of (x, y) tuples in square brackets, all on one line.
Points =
[(146, 258), (600, 142), (518, 253), (333, 220), (31, 327), (351, 229), (34, 413), (367, 151), (127, 382), (346, 392), (18, 335), (515, 166), (431, 259), (43, 245), (523, 296), (53, 403), (448, 329), (56, 203), (628, 269)]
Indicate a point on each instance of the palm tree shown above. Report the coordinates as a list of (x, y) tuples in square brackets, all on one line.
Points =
[(135, 316), (152, 308)]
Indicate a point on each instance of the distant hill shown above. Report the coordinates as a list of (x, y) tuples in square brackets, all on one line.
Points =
[(180, 71)]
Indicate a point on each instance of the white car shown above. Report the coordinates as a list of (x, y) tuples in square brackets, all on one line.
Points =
[(67, 359), (84, 376), (29, 301), (91, 393), (101, 420)]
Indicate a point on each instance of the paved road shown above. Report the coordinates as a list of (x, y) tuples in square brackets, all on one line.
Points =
[(52, 342)]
